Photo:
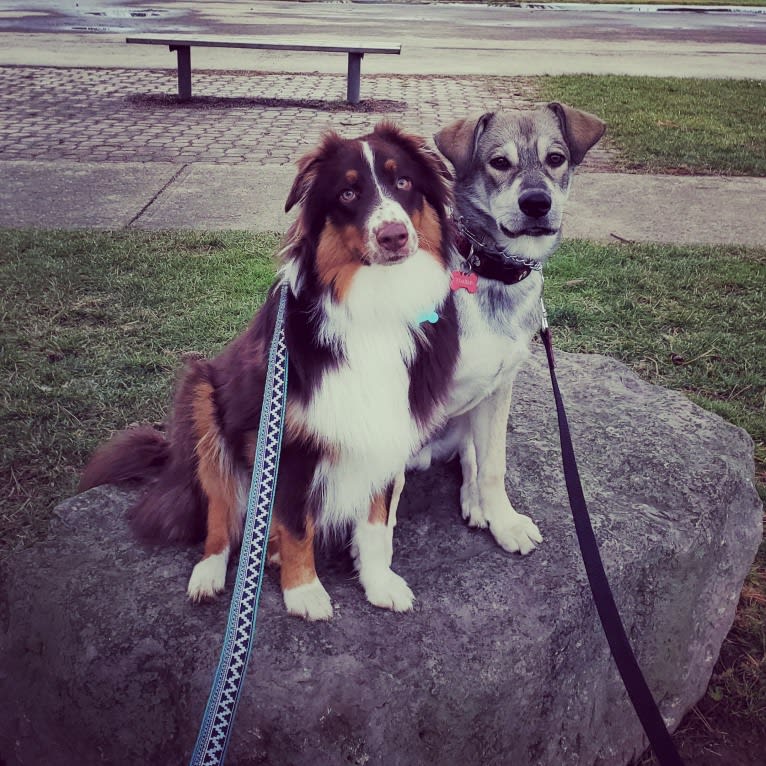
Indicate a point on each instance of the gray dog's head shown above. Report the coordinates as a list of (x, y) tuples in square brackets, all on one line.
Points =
[(513, 172)]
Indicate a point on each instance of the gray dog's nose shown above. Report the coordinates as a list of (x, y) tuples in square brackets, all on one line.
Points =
[(535, 202)]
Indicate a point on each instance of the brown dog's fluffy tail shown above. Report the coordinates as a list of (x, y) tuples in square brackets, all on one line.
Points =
[(172, 508), (136, 455)]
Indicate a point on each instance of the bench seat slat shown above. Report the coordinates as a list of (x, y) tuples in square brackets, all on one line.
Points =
[(247, 42)]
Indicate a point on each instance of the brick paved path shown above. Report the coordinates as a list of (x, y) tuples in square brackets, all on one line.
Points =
[(129, 114)]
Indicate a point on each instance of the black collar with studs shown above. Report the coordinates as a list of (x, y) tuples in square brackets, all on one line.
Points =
[(490, 263)]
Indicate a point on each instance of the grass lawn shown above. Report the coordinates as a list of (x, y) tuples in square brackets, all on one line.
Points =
[(691, 319), (739, 3), (96, 324), (688, 318), (673, 125), (614, 2)]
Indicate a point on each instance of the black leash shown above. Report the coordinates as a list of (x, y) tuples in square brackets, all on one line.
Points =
[(470, 246), (632, 677)]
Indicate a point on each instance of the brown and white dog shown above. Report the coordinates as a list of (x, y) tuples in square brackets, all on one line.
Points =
[(372, 338), (513, 174)]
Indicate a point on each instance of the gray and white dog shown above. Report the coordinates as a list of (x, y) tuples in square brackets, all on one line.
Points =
[(513, 173)]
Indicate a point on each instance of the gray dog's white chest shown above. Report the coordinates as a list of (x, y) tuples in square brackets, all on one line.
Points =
[(492, 349)]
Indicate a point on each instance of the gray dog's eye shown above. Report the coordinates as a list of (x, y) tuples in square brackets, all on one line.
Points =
[(500, 163), (556, 159)]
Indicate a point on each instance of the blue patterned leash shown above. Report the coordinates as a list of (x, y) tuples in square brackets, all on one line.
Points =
[(215, 730)]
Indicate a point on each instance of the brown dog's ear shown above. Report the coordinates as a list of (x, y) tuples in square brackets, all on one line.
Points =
[(307, 171), (458, 141), (581, 129), (308, 168)]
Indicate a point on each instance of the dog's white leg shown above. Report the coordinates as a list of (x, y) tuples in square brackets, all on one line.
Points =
[(422, 459), (372, 548), (470, 502), (489, 423), (396, 494)]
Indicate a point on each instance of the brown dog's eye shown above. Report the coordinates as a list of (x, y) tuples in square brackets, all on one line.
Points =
[(500, 163), (347, 195), (403, 183), (556, 159)]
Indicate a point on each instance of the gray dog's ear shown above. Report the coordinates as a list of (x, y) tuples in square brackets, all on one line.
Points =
[(581, 129), (458, 141)]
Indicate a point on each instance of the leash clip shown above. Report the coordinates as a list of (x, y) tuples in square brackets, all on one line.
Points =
[(544, 316), (544, 327), (473, 241), (470, 262)]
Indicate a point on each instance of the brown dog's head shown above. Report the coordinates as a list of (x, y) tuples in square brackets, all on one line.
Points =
[(375, 189), (514, 170)]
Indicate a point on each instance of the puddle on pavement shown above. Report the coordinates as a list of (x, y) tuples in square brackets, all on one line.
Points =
[(130, 13), (96, 29), (118, 14)]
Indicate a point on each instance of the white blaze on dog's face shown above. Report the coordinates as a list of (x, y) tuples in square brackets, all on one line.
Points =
[(390, 234), (514, 171)]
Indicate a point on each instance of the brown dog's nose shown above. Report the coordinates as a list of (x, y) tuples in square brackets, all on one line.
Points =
[(535, 203), (392, 236)]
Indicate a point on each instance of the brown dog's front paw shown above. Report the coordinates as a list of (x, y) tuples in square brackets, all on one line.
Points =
[(389, 591), (309, 601), (208, 578)]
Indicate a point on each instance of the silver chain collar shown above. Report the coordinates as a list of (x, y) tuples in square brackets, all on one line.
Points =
[(478, 244)]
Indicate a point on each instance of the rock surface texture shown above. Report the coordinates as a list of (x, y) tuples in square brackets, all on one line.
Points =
[(104, 661)]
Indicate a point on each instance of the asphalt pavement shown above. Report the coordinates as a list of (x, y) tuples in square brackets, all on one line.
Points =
[(109, 147), (436, 38)]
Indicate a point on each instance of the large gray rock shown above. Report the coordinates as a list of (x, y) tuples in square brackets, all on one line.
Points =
[(503, 661)]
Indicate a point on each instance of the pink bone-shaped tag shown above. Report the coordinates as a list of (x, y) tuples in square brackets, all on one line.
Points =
[(462, 280)]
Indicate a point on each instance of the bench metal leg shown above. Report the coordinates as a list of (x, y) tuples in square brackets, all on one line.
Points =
[(354, 75), (184, 71)]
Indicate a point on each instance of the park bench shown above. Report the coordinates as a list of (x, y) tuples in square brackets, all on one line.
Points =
[(182, 44)]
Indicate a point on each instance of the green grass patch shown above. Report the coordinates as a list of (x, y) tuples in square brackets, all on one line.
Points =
[(692, 319), (688, 318), (94, 327), (736, 3), (673, 125), (739, 3)]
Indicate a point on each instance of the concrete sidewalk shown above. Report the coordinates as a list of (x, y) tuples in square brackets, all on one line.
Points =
[(201, 195), (109, 149)]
